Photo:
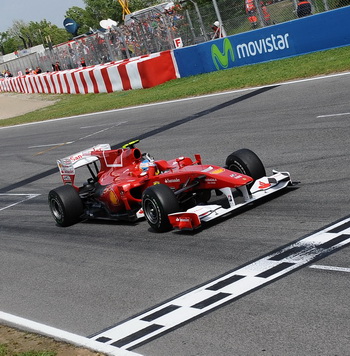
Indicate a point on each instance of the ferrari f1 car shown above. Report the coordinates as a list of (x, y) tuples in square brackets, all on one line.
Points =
[(181, 193)]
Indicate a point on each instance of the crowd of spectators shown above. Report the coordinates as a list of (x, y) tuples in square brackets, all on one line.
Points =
[(148, 31), (153, 31), (6, 74)]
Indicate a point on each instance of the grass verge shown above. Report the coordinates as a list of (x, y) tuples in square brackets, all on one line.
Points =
[(14, 342), (309, 65)]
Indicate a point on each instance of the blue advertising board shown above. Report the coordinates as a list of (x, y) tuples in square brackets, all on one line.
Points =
[(309, 34)]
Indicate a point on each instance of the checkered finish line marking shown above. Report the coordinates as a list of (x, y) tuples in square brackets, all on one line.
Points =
[(196, 302)]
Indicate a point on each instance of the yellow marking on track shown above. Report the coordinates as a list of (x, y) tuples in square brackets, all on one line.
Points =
[(52, 148)]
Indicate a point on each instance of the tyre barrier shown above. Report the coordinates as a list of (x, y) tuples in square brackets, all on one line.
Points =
[(135, 73)]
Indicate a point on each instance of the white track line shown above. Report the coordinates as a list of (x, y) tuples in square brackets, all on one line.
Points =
[(331, 268), (27, 197), (333, 115)]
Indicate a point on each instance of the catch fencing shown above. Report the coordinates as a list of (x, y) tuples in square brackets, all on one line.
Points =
[(164, 27)]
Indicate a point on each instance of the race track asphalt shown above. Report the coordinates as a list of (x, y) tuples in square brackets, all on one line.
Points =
[(88, 277)]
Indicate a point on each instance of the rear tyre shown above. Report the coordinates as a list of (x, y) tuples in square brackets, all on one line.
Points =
[(246, 162), (65, 205), (157, 202)]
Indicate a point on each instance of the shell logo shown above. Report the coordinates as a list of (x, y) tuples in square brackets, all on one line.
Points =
[(113, 198), (218, 171)]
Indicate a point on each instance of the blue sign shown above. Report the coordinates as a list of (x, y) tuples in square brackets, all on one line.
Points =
[(309, 34), (71, 26)]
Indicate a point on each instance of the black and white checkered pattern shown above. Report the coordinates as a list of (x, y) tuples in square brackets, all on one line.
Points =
[(192, 304)]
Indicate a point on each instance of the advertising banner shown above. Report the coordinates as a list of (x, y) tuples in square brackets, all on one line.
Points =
[(309, 34)]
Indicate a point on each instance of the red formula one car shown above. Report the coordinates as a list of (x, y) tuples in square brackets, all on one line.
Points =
[(181, 193)]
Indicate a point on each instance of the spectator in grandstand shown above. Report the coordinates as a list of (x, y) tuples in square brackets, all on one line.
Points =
[(56, 67), (303, 8), (38, 70), (266, 14), (251, 12), (27, 71), (82, 62)]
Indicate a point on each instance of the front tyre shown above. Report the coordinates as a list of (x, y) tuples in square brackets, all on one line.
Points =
[(65, 205), (157, 202), (246, 162)]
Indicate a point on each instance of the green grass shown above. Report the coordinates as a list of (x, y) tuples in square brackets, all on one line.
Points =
[(310, 65), (5, 352)]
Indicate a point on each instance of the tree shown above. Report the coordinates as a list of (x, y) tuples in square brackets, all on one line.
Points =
[(98, 10), (43, 31), (94, 12), (19, 31), (81, 17), (3, 37), (25, 35), (12, 44), (135, 5)]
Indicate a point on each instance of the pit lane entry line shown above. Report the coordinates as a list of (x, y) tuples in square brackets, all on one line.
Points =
[(227, 288)]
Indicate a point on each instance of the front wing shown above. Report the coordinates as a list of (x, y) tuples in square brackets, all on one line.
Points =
[(193, 218)]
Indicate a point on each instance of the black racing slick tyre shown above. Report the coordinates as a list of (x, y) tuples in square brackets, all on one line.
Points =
[(157, 202), (246, 162), (65, 205)]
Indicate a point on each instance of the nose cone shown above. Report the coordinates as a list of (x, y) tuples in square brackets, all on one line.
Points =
[(228, 178)]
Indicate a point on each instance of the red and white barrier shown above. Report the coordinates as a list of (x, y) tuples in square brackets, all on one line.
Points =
[(135, 73)]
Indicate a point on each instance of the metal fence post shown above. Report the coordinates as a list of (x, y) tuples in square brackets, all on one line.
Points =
[(191, 25), (204, 32), (217, 12)]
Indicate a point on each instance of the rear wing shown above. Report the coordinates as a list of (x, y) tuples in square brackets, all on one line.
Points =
[(68, 165)]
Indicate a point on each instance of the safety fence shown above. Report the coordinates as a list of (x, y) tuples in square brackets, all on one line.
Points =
[(163, 27)]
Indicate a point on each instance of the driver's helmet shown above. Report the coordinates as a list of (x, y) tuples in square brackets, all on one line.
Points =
[(147, 160), (144, 165)]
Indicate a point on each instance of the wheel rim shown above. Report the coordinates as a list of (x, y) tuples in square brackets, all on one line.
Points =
[(56, 209), (151, 211), (236, 168)]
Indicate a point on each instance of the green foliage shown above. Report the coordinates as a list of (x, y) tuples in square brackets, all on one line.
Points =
[(9, 44), (81, 17), (41, 32), (4, 351), (97, 10), (135, 5), (24, 35)]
